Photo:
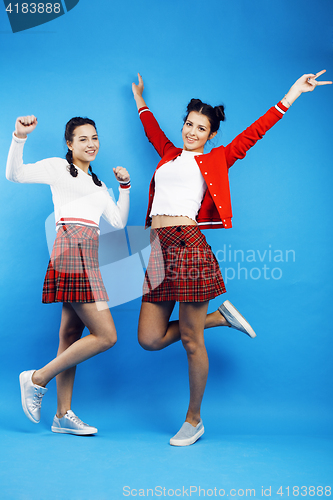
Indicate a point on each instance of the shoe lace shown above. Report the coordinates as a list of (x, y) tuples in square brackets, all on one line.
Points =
[(37, 399), (76, 419)]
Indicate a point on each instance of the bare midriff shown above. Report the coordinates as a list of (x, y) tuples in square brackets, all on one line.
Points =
[(171, 220)]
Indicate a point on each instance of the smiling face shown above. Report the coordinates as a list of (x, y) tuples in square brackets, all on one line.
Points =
[(196, 132), (84, 145)]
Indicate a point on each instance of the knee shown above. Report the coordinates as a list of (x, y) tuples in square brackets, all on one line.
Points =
[(190, 343), (109, 341), (147, 341)]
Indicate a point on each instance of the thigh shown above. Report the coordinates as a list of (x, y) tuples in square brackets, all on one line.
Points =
[(98, 320), (71, 326), (154, 320), (192, 318)]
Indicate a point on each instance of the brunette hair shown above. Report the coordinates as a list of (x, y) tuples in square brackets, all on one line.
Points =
[(69, 134), (215, 115)]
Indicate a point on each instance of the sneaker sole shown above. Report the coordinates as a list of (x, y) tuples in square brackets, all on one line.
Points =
[(187, 442), (62, 430), (247, 327), (24, 406)]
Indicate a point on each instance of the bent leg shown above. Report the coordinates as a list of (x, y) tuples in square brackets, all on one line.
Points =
[(155, 331), (192, 318), (102, 336)]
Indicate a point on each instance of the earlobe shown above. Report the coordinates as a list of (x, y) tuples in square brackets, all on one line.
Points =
[(212, 135)]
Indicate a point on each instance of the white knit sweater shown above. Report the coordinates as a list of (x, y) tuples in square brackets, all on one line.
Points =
[(76, 199)]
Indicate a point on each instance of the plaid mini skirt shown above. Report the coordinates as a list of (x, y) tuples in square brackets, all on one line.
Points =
[(182, 267), (73, 273)]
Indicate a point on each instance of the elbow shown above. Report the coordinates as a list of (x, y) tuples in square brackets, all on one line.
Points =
[(120, 223), (10, 177)]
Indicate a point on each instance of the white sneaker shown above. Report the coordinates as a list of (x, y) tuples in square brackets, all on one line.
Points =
[(31, 396), (187, 434), (235, 319), (71, 424)]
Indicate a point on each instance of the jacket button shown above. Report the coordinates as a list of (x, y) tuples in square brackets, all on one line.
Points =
[(210, 184), (205, 173), (182, 243), (214, 194), (220, 206)]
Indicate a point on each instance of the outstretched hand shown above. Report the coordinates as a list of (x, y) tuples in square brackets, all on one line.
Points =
[(307, 83), (138, 89), (25, 125)]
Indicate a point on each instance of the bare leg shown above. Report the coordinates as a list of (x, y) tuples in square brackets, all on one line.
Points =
[(71, 329), (102, 336), (192, 317), (156, 332)]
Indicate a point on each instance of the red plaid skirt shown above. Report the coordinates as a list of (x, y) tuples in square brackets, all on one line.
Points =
[(182, 267), (73, 273)]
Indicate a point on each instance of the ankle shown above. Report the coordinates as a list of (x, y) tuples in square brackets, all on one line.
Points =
[(61, 414), (193, 420), (220, 319), (37, 380)]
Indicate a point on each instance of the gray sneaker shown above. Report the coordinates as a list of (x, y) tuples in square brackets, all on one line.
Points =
[(187, 434), (31, 396), (235, 319), (71, 424)]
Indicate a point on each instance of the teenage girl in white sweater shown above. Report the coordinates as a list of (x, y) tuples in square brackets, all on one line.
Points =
[(73, 275)]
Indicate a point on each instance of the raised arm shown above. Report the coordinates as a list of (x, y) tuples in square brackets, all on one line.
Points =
[(152, 129), (238, 148), (43, 172)]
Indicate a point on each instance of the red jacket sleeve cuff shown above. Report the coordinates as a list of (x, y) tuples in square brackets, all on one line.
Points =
[(280, 107), (144, 108)]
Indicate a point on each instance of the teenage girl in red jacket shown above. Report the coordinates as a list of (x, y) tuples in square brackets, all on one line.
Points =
[(191, 189)]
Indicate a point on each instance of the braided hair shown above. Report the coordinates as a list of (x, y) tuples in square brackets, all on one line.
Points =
[(69, 134), (215, 114)]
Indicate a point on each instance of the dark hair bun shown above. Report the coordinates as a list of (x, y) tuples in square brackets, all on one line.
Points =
[(193, 105), (219, 110)]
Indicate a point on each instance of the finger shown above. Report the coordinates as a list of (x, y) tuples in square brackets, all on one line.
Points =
[(320, 73), (27, 120), (140, 81), (324, 83)]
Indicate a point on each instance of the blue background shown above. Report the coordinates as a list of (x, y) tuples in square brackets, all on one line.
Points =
[(268, 403)]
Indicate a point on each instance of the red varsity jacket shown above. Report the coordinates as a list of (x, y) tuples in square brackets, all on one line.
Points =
[(215, 210)]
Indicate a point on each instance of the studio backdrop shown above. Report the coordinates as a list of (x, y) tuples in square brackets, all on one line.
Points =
[(276, 260)]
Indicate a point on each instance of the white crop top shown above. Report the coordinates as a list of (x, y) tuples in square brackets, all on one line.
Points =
[(179, 187)]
